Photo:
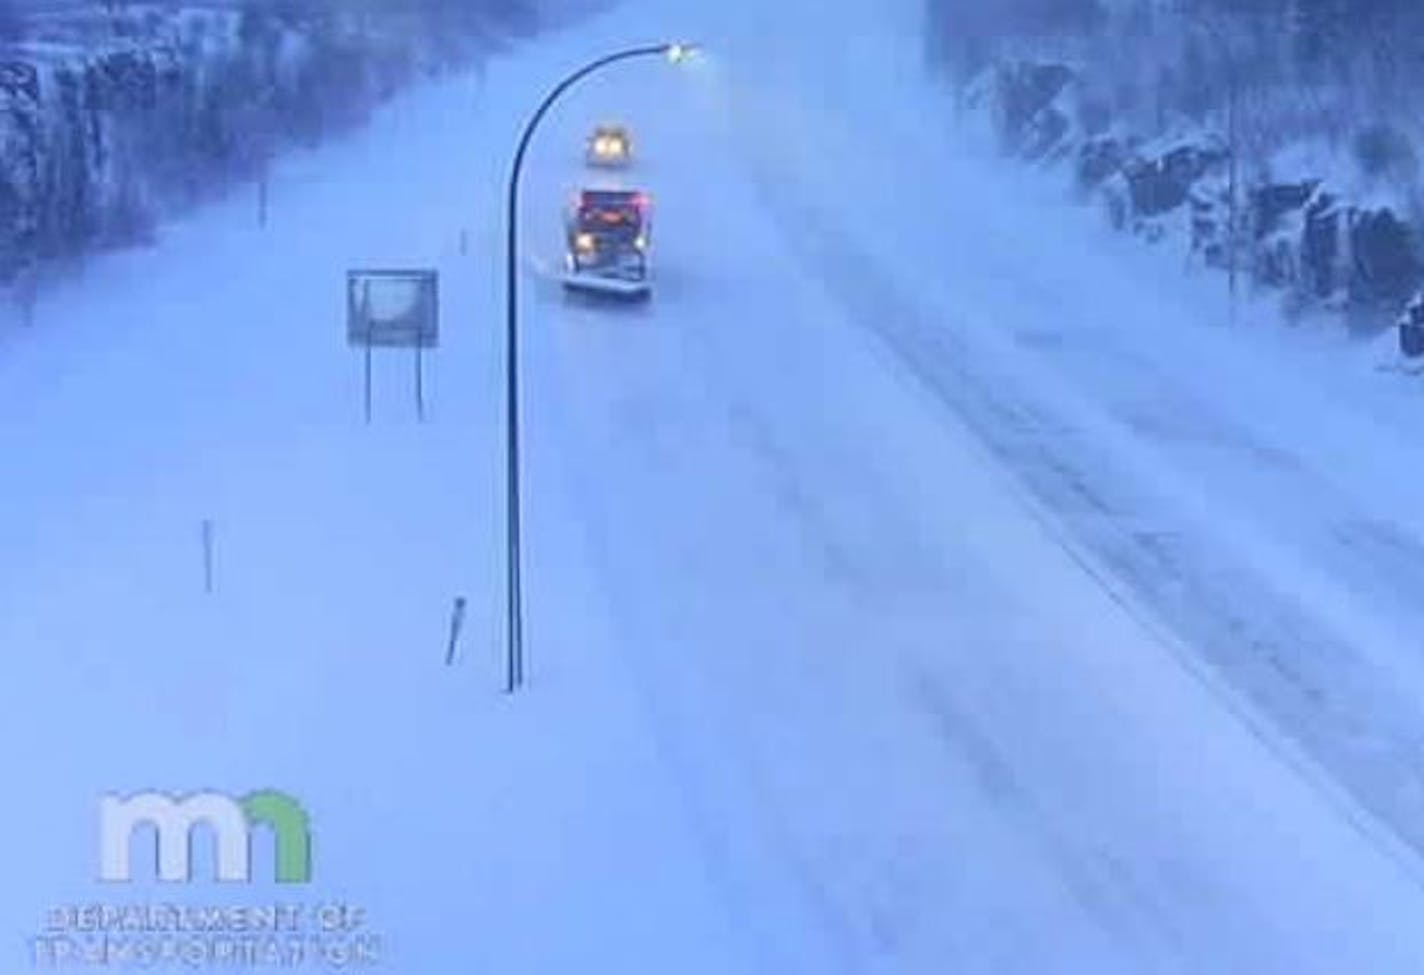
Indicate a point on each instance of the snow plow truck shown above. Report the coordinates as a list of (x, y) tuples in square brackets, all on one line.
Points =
[(608, 234)]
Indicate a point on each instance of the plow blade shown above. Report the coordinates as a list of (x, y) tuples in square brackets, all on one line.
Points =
[(610, 286)]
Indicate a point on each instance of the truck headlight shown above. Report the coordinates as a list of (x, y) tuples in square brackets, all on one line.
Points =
[(584, 243)]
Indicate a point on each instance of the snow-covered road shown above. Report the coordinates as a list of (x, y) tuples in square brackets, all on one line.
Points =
[(915, 585)]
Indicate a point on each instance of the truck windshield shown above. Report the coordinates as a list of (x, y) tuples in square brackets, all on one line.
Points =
[(606, 219)]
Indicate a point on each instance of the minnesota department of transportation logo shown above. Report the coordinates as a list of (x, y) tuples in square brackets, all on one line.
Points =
[(230, 822), (203, 836)]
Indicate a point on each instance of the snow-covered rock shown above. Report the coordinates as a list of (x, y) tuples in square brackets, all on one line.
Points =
[(108, 121)]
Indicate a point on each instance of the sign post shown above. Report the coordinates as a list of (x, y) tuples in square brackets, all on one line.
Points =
[(393, 309)]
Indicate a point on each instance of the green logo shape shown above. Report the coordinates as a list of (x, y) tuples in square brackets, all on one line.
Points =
[(291, 826)]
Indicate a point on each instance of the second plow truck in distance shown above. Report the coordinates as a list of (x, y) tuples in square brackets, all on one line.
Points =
[(610, 147), (608, 233)]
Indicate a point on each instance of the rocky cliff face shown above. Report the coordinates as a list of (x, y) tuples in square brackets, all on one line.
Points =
[(1255, 139), (112, 116), (1319, 229)]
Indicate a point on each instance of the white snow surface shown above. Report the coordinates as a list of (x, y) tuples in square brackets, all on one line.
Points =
[(923, 581)]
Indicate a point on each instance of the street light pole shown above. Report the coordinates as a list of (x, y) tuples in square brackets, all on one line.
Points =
[(1233, 218), (1232, 182), (514, 676)]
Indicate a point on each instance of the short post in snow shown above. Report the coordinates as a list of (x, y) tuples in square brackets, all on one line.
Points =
[(209, 556), (457, 626)]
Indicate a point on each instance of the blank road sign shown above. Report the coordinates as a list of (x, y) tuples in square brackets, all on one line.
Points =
[(393, 308)]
